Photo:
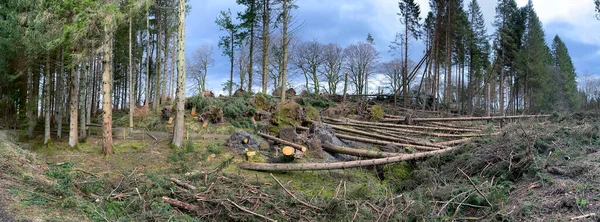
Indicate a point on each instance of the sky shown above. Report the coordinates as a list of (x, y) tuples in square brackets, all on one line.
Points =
[(349, 21)]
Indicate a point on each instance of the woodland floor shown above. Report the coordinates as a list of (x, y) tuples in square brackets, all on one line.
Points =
[(55, 183)]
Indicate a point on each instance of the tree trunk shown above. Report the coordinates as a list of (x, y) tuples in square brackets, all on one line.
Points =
[(106, 83), (231, 60), (285, 49), (345, 87), (443, 119), (357, 152), (32, 104), (131, 89), (147, 91), (74, 106), (340, 165), (83, 100), (251, 57), (405, 67), (158, 76), (179, 127), (173, 67), (295, 146), (59, 96), (265, 46), (165, 63), (47, 101)]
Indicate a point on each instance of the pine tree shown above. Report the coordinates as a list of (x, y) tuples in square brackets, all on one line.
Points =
[(506, 42), (107, 46), (535, 54), (409, 16), (249, 21), (562, 60), (229, 42), (477, 50)]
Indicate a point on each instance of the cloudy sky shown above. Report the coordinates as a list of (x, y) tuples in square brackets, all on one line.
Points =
[(348, 21)]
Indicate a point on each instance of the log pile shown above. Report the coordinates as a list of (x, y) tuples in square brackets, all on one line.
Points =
[(394, 142)]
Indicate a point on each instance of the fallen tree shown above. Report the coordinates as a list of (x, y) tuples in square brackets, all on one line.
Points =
[(357, 152), (408, 131), (403, 126), (382, 137), (454, 119), (295, 146), (340, 165), (383, 143)]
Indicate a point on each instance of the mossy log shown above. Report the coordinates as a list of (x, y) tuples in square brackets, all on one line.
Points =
[(340, 165), (383, 143), (357, 152), (295, 146)]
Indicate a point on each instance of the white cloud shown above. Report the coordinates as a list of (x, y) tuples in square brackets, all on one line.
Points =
[(579, 15)]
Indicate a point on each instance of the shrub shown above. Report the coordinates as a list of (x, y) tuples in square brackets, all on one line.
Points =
[(236, 108), (312, 113), (376, 113), (315, 101)]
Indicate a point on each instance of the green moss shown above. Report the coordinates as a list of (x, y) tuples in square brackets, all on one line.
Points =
[(312, 113), (260, 102), (376, 113), (285, 116)]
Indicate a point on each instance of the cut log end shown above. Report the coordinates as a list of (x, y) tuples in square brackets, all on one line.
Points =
[(288, 151)]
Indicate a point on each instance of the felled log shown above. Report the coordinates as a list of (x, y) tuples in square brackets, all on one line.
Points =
[(407, 131), (249, 154), (583, 216), (477, 118), (373, 135), (452, 142), (288, 151), (437, 124), (339, 165), (302, 128), (393, 116), (295, 146), (180, 204), (349, 121), (357, 152), (383, 143), (183, 184)]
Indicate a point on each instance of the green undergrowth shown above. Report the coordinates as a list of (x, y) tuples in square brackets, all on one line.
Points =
[(236, 110), (498, 171), (317, 101)]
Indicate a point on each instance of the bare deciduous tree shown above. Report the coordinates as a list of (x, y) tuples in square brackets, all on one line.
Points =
[(332, 66), (360, 60), (198, 65), (308, 58)]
